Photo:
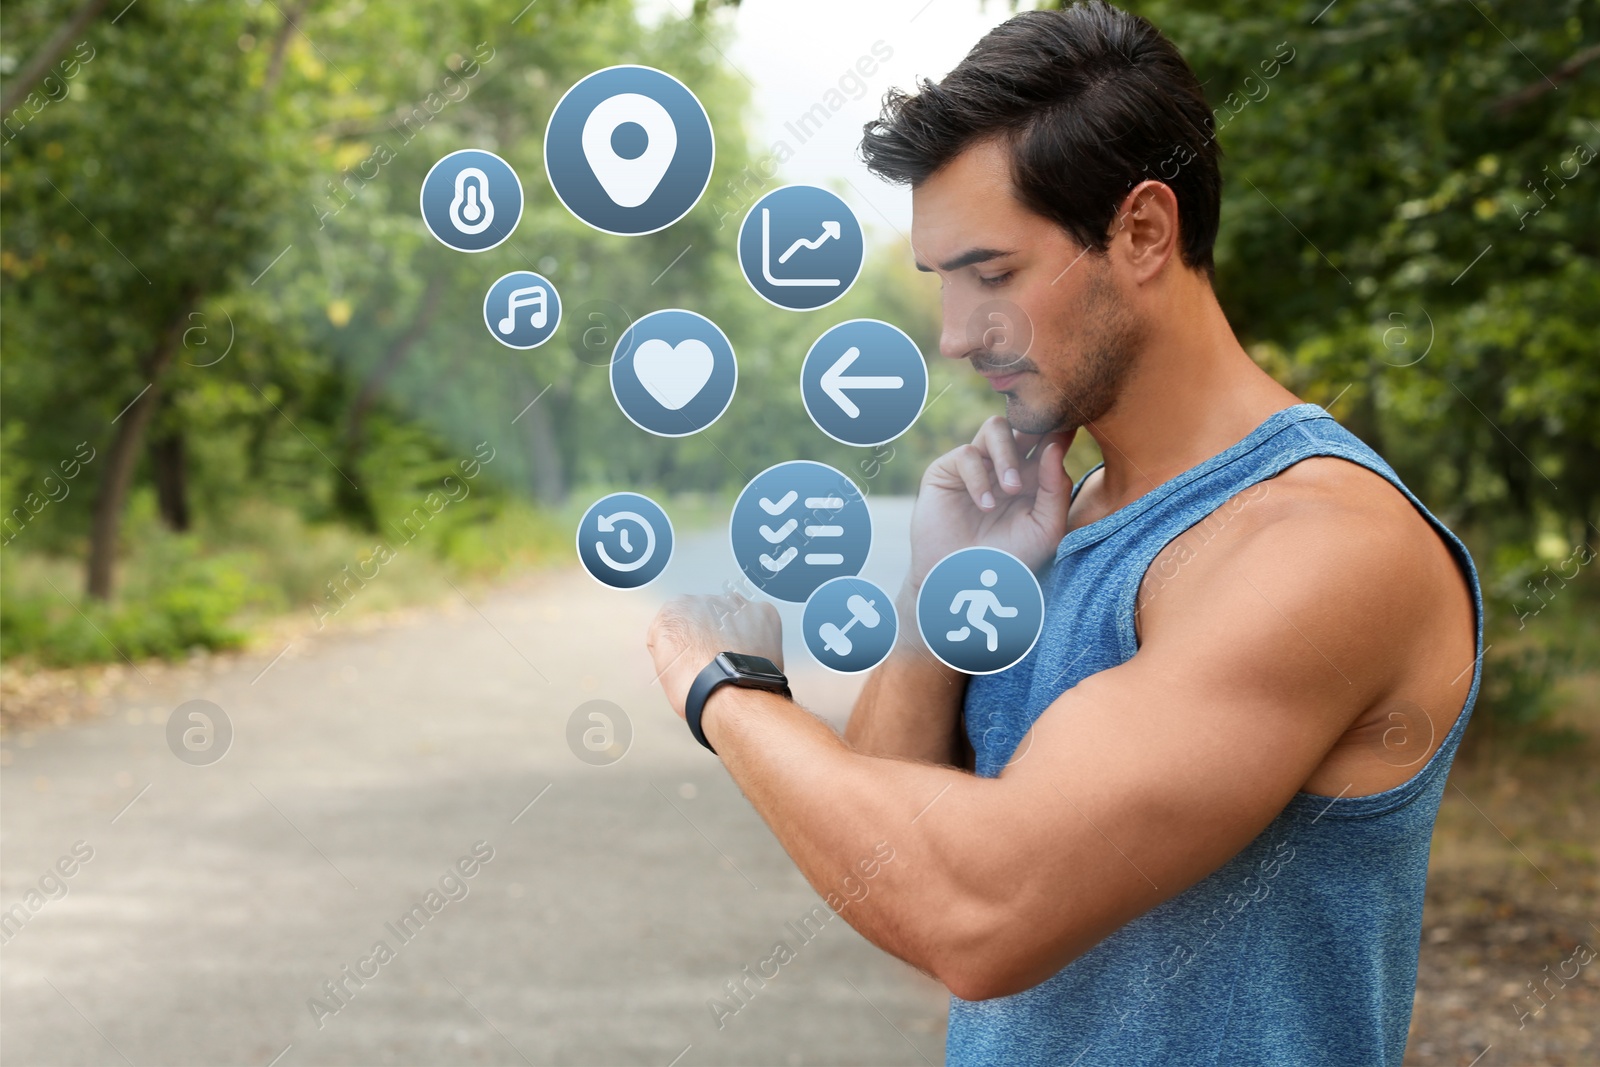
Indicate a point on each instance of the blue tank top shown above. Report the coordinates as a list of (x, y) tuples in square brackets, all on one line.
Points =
[(1302, 949)]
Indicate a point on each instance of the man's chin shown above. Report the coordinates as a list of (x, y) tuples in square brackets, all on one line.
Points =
[(1025, 417)]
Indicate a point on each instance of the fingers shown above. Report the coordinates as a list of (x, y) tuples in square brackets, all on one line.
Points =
[(993, 463), (973, 468), (999, 444), (1054, 493)]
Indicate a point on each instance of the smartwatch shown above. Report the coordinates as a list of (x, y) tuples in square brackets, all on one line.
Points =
[(730, 668)]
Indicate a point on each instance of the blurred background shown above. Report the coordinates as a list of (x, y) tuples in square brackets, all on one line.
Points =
[(233, 361)]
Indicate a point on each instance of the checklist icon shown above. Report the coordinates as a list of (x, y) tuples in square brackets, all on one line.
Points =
[(798, 525)]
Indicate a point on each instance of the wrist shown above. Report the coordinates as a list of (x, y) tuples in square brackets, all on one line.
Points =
[(729, 709), (905, 604), (717, 712), (728, 670)]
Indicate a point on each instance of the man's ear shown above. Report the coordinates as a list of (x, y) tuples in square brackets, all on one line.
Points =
[(1145, 233)]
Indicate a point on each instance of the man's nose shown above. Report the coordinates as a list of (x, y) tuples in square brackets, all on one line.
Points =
[(955, 340)]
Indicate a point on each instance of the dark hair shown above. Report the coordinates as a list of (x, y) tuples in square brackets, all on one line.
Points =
[(1092, 100)]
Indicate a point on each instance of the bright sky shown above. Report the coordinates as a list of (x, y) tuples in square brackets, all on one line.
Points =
[(793, 52)]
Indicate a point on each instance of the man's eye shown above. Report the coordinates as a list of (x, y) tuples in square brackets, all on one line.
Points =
[(995, 280)]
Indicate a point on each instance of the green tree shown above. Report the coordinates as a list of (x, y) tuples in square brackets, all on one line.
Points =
[(128, 207), (1410, 212)]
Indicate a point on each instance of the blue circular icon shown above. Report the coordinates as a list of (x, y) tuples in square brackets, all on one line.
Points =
[(673, 373), (471, 200), (625, 540), (800, 247), (980, 610), (629, 150), (864, 382), (850, 625), (522, 309), (798, 524)]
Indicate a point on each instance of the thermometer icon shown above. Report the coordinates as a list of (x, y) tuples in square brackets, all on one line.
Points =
[(471, 210)]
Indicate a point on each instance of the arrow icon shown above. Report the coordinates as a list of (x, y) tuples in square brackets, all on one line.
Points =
[(607, 523), (834, 383), (830, 228)]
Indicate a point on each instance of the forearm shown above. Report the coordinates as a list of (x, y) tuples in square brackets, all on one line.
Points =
[(833, 809), (910, 707)]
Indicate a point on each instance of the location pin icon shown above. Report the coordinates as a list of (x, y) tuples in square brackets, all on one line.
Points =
[(629, 182)]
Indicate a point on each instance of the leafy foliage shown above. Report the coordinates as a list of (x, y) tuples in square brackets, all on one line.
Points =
[(1409, 235)]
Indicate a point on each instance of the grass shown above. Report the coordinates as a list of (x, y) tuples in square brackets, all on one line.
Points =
[(259, 565), (211, 588)]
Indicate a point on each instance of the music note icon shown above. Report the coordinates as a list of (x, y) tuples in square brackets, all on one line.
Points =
[(522, 309), (534, 296)]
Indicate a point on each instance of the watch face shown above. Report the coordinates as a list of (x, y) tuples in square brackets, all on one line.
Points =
[(757, 668)]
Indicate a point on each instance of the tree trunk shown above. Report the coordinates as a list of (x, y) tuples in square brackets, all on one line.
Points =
[(38, 65), (547, 480), (398, 350), (169, 463), (106, 523), (280, 46), (356, 503)]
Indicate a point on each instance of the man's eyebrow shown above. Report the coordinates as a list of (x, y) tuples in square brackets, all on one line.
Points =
[(966, 259)]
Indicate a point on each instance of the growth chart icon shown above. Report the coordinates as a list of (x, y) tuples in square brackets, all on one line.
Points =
[(800, 247)]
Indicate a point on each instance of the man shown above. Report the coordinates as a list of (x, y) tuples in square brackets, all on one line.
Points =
[(1194, 826)]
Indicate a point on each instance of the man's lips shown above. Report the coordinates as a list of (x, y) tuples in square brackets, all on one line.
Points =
[(1000, 380)]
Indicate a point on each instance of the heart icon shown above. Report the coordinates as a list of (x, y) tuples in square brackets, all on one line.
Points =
[(673, 374)]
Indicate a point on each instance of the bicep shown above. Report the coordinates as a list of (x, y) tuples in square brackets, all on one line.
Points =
[(1148, 777)]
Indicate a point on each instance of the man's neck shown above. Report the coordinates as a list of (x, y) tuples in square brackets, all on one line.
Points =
[(1193, 392)]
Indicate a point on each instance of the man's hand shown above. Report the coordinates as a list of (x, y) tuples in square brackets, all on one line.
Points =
[(688, 632), (986, 493)]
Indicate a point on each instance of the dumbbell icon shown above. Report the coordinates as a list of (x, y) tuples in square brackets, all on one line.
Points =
[(861, 610)]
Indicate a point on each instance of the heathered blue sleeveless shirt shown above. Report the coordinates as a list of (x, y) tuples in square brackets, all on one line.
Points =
[(1302, 949)]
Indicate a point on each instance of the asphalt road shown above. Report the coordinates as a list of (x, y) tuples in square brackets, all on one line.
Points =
[(606, 908)]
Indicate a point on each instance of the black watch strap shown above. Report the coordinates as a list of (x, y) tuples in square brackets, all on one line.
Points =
[(724, 670)]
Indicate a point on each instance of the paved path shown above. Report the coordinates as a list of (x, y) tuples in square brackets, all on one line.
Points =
[(618, 900)]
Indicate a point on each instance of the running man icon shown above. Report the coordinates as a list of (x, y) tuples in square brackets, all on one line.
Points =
[(988, 592), (981, 601)]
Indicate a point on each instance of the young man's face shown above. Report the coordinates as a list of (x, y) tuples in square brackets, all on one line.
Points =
[(1023, 302)]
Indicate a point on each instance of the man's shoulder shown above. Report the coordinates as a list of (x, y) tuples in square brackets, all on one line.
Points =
[(1326, 543), (1321, 504), (1340, 506)]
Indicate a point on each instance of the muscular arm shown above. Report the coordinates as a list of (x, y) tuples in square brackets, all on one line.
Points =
[(1136, 783)]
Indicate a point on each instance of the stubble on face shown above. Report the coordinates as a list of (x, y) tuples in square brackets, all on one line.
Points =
[(1079, 378)]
